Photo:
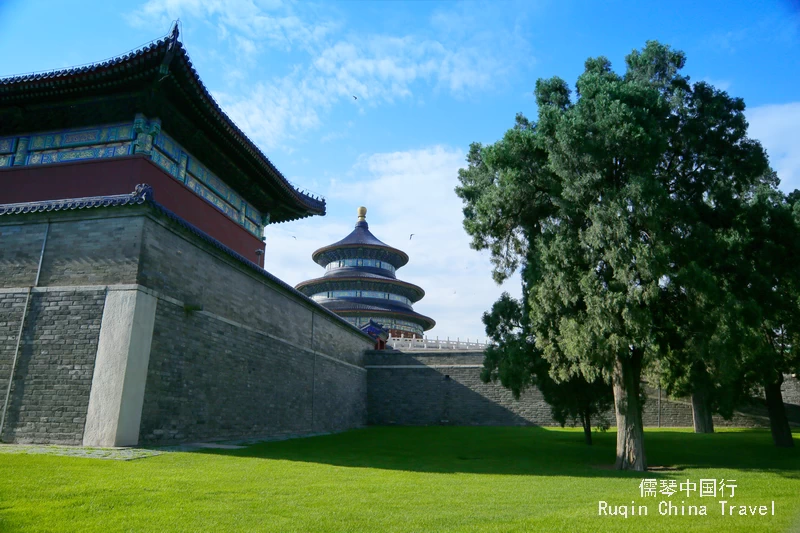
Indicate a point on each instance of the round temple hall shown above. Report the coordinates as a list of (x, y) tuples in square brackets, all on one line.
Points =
[(360, 284)]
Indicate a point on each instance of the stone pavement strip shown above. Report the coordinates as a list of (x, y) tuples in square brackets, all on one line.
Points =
[(128, 454), (119, 454)]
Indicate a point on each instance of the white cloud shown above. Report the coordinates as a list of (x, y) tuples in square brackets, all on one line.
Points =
[(273, 23), (722, 85), (376, 69), (405, 192), (379, 69), (778, 128), (333, 136), (271, 113), (729, 40), (246, 47)]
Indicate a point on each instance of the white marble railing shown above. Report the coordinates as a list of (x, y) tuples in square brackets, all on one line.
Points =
[(404, 343)]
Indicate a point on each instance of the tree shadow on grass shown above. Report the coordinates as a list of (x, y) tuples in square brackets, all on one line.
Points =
[(526, 451)]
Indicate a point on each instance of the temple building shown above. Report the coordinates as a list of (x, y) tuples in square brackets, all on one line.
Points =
[(360, 284)]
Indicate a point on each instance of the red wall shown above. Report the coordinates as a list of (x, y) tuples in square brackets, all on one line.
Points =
[(120, 176)]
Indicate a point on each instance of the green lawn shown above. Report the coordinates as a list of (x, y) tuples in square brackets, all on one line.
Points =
[(402, 479)]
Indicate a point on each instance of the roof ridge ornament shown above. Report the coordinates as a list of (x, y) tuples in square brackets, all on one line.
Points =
[(362, 214), (174, 33)]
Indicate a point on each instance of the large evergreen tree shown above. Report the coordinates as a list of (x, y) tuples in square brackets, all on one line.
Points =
[(612, 200)]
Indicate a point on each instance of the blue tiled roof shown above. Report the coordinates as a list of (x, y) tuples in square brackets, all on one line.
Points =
[(361, 235), (357, 265)]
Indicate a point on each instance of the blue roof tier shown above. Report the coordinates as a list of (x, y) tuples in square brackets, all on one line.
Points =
[(364, 283), (376, 313), (360, 243)]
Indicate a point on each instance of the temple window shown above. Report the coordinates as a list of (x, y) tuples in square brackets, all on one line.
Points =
[(360, 294), (373, 263)]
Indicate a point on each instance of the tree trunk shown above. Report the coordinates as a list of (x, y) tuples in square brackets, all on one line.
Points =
[(587, 427), (701, 399), (630, 435), (778, 422), (701, 413)]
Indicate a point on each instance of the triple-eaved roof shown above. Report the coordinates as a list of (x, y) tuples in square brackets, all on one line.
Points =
[(354, 245), (159, 81)]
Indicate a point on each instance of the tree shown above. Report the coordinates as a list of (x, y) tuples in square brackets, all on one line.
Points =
[(764, 278), (709, 168), (601, 200), (515, 360)]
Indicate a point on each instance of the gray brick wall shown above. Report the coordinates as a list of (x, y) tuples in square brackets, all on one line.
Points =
[(20, 246), (439, 392), (677, 412), (340, 396), (53, 376), (791, 391), (11, 308), (97, 251), (208, 379), (89, 251)]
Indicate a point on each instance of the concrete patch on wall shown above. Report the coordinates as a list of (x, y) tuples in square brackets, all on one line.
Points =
[(120, 371)]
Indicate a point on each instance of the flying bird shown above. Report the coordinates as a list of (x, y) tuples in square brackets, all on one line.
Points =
[(355, 97), (293, 237), (409, 237)]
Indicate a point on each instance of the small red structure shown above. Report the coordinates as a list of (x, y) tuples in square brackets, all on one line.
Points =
[(377, 332)]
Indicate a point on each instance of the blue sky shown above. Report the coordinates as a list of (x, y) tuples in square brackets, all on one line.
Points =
[(430, 77)]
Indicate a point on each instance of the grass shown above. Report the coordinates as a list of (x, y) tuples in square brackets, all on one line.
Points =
[(401, 479)]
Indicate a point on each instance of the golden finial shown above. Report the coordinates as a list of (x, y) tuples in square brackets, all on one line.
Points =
[(362, 214)]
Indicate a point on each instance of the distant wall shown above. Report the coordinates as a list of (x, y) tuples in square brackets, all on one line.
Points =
[(432, 388), (210, 347), (233, 352)]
